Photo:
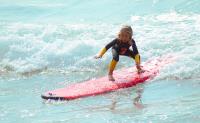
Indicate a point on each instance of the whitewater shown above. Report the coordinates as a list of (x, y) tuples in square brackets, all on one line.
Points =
[(46, 45)]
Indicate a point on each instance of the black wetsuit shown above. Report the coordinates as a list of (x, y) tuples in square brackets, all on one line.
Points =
[(120, 48)]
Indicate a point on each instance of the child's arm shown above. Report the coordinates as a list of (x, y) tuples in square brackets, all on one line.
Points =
[(136, 53), (103, 50), (137, 57)]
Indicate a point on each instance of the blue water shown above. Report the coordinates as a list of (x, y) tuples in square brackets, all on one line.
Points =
[(48, 44)]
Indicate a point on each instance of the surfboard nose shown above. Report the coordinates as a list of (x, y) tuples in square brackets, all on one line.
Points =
[(51, 96)]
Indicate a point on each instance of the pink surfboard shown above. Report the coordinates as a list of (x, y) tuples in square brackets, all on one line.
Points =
[(124, 78)]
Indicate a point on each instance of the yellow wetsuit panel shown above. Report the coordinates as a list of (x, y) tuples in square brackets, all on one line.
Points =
[(112, 65), (137, 59), (102, 52)]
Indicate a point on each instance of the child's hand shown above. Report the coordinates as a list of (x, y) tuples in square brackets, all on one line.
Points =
[(97, 57), (139, 69)]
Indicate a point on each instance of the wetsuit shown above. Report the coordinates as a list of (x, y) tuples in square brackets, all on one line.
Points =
[(120, 48)]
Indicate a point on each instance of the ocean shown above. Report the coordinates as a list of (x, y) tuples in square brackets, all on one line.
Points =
[(45, 45)]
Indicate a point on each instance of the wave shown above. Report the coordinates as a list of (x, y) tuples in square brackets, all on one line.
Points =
[(87, 11), (28, 48)]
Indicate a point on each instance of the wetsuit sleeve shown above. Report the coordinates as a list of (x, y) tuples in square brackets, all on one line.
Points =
[(135, 52), (108, 46)]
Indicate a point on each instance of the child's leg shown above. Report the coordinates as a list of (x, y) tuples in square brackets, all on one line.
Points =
[(136, 57), (131, 54), (113, 64)]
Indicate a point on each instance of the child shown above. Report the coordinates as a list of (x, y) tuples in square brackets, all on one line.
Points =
[(120, 46)]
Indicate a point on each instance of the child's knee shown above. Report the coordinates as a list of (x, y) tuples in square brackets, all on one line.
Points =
[(116, 58), (115, 55)]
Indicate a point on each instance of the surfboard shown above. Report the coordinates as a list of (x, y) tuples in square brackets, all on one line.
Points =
[(124, 78)]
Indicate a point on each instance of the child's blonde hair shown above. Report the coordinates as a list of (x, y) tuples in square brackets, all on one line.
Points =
[(126, 29)]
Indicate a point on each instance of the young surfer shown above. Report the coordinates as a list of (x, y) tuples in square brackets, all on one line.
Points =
[(120, 46)]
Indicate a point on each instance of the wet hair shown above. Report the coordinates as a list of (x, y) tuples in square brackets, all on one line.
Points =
[(126, 29)]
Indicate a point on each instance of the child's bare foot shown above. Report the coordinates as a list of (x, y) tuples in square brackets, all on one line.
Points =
[(110, 77), (140, 71)]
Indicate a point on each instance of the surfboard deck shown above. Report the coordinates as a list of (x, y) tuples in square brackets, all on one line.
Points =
[(124, 78)]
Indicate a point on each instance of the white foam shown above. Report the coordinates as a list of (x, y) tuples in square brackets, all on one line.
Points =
[(172, 17), (34, 46)]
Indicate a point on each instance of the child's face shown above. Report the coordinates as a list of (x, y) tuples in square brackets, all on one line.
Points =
[(124, 37)]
